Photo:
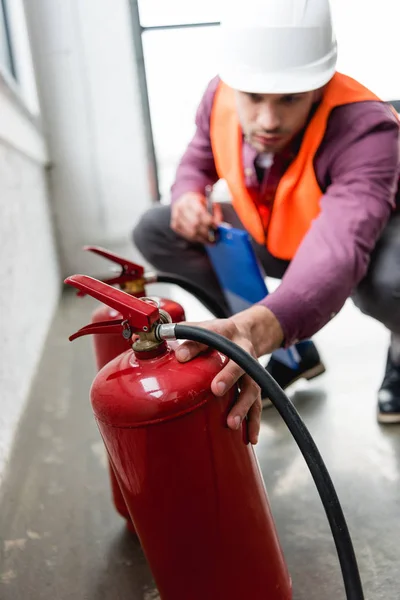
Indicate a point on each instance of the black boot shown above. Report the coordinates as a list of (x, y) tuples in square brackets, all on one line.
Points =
[(310, 366), (389, 394)]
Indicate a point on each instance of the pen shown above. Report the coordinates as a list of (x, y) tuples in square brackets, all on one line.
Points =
[(210, 210)]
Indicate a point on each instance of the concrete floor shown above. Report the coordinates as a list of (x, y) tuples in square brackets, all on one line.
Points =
[(60, 538)]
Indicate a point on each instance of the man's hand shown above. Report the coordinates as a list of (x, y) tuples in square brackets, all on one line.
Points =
[(190, 218), (257, 331)]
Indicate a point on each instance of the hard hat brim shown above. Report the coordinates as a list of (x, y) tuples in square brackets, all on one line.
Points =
[(294, 81)]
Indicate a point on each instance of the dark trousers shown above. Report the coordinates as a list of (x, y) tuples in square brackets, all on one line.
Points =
[(378, 294)]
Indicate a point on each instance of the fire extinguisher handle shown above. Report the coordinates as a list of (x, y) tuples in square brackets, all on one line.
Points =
[(136, 313), (127, 266), (130, 271), (118, 326)]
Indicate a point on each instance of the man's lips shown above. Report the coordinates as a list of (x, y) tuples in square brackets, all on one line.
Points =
[(267, 139)]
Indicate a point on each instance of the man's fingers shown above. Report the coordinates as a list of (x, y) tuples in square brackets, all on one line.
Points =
[(203, 233), (249, 395), (205, 219), (230, 374), (193, 216), (254, 421), (186, 230), (202, 227), (192, 223), (226, 378), (189, 350), (249, 400)]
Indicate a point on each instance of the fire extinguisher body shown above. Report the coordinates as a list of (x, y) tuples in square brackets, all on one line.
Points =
[(106, 348), (192, 486)]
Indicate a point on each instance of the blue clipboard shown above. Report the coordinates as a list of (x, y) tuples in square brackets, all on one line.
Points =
[(241, 277)]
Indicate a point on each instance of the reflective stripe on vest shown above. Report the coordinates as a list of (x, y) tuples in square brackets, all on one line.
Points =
[(297, 198)]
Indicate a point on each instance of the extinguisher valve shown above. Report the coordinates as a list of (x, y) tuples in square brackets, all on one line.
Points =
[(150, 340), (139, 316), (130, 275)]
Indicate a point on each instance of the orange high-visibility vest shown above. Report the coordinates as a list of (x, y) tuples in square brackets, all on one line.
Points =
[(297, 198)]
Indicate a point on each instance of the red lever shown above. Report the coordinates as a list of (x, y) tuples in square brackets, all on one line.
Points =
[(103, 327), (137, 314), (127, 266), (129, 271)]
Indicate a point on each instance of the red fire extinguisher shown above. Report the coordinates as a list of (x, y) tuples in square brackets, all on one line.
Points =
[(192, 486), (132, 280)]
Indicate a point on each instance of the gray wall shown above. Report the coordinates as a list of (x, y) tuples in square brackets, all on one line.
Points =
[(29, 281), (74, 172), (89, 89)]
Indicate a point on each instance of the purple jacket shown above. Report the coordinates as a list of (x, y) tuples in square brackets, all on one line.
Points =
[(358, 168)]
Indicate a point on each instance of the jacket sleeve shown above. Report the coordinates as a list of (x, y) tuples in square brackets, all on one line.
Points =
[(335, 254)]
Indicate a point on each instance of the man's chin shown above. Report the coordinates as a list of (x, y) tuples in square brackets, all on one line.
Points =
[(269, 148)]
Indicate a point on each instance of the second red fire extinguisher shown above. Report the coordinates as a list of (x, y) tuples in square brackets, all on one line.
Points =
[(132, 280)]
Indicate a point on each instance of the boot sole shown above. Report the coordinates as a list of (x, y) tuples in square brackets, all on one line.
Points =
[(307, 375), (388, 419)]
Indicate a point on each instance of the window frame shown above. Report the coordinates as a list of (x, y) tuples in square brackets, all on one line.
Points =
[(11, 67), (138, 30)]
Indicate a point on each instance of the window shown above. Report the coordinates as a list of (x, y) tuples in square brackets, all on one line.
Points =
[(6, 53), (178, 49), (161, 13), (15, 54), (179, 65)]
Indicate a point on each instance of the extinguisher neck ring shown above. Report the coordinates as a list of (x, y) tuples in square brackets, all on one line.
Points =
[(165, 331)]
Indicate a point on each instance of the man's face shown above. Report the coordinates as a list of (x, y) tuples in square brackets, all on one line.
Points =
[(271, 121)]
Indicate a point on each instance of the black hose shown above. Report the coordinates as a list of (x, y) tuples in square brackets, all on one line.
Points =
[(220, 312), (270, 389)]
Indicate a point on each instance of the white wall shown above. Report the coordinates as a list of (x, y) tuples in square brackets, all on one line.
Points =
[(29, 281), (368, 36), (88, 85)]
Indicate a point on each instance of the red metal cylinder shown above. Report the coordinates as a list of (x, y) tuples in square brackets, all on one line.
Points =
[(192, 486), (106, 348)]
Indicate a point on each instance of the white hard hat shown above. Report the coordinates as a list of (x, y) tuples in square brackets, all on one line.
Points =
[(277, 46)]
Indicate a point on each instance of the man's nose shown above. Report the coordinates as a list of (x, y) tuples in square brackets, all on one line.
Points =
[(268, 117)]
